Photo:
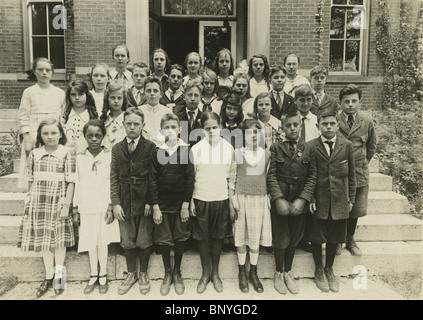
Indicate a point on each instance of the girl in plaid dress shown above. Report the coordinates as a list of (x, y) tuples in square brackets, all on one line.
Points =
[(46, 225), (250, 211)]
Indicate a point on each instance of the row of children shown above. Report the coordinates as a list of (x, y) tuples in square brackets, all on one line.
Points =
[(265, 114)]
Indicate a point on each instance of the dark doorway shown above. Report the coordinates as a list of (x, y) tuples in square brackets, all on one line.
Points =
[(179, 38)]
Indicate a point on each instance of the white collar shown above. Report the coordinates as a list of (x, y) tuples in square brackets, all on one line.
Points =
[(324, 139), (135, 140), (307, 116), (253, 157), (195, 112), (127, 74), (84, 115), (60, 152), (118, 119), (179, 143), (346, 115)]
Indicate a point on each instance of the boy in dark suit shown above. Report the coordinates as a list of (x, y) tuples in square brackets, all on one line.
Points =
[(334, 196), (290, 182), (281, 101), (135, 94), (189, 115), (129, 174), (173, 97), (359, 129), (321, 99)]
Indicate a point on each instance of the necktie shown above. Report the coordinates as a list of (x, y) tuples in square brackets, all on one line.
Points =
[(278, 99), (207, 107), (138, 98), (330, 144), (350, 120), (303, 129), (191, 118), (291, 145), (172, 96), (319, 97), (131, 147)]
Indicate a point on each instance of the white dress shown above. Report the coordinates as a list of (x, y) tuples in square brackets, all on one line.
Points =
[(92, 196), (73, 130)]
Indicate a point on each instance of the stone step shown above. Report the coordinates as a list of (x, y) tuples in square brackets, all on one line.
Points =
[(387, 202), (12, 203), (382, 227), (374, 165), (380, 182), (378, 258), (9, 183)]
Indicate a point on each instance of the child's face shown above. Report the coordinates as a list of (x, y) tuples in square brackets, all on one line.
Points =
[(138, 76), (159, 61), (192, 98), (263, 106), (209, 84), (193, 64), (258, 66), (50, 134), (175, 79), (350, 103), (252, 137), (100, 78), (78, 99), (212, 129), (115, 100), (133, 125), (153, 93), (304, 104), (170, 129), (328, 126), (224, 62), (121, 58), (278, 80), (43, 72), (318, 81), (232, 111), (291, 65), (94, 137), (291, 127), (241, 86)]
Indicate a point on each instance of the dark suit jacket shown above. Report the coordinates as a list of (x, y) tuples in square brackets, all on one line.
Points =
[(335, 185), (181, 113), (129, 175), (178, 104), (328, 101), (292, 176), (287, 103), (132, 102), (362, 135)]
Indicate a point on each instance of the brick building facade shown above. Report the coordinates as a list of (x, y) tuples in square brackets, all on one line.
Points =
[(272, 27)]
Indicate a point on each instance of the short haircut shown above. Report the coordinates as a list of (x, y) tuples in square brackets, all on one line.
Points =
[(94, 123), (193, 84), (291, 55), (275, 69), (326, 112), (152, 79), (133, 110), (303, 90), (120, 46), (168, 117), (176, 67), (207, 116), (350, 89), (317, 70), (292, 113), (141, 65)]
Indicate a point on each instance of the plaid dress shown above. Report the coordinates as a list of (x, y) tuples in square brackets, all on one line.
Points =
[(42, 228)]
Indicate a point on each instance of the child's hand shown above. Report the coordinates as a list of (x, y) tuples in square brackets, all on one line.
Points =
[(297, 206), (64, 211), (118, 212), (109, 218), (233, 214), (185, 212), (75, 220), (235, 202), (147, 210), (312, 207), (157, 214), (350, 206), (27, 143), (282, 207), (192, 211)]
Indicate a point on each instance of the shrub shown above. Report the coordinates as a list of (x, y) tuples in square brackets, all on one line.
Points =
[(9, 153)]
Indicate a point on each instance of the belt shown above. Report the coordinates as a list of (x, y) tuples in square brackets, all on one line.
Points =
[(133, 180)]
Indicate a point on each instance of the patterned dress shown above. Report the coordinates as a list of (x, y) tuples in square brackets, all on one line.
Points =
[(42, 228)]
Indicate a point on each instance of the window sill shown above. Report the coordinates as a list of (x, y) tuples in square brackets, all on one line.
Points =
[(58, 76), (353, 79)]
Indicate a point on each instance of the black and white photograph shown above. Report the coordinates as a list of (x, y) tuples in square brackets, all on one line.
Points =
[(211, 157)]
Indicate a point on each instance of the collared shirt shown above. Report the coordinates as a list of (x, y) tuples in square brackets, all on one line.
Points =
[(271, 129), (99, 101), (125, 80), (311, 130), (115, 131), (135, 92), (281, 95), (195, 112), (228, 82), (75, 124), (327, 146), (215, 103), (152, 119), (135, 140), (172, 150), (291, 85), (347, 115), (258, 87), (321, 93), (176, 94)]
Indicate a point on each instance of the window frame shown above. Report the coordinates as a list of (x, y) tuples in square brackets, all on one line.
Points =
[(364, 39), (233, 15), (27, 33)]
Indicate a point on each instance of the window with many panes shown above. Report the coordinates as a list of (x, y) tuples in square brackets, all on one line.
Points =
[(348, 37), (44, 32)]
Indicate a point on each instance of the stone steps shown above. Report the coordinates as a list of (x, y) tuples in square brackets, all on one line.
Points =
[(378, 258)]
